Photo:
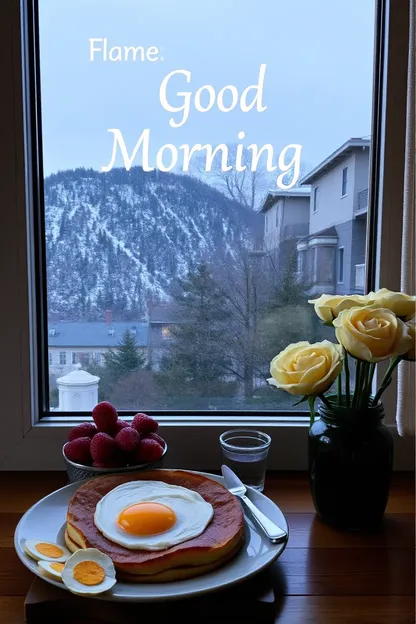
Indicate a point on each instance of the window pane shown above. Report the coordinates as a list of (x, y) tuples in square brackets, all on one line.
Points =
[(176, 271), (344, 181), (341, 265)]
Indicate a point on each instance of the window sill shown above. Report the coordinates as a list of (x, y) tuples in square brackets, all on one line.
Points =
[(195, 448)]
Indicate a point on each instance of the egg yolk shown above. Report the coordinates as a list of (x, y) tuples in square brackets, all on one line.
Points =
[(58, 567), (49, 550), (89, 573), (146, 519)]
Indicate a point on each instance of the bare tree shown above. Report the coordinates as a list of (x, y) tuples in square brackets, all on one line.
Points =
[(246, 187), (245, 287), (266, 305)]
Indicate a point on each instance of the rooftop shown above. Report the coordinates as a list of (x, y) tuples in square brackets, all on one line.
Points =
[(164, 314), (335, 158), (100, 334), (274, 194)]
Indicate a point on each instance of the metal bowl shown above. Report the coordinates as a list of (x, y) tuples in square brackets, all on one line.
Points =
[(79, 472)]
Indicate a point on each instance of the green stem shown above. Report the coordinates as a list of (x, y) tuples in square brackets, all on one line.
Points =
[(365, 368), (357, 382), (311, 401), (339, 389), (370, 377), (347, 379), (386, 379)]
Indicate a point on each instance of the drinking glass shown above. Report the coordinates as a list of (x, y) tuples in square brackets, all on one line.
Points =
[(245, 452)]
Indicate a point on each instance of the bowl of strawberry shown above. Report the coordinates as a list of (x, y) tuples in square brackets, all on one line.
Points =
[(111, 445)]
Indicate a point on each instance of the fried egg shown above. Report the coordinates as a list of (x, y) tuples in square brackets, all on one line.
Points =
[(151, 515), (47, 551), (51, 569), (89, 571)]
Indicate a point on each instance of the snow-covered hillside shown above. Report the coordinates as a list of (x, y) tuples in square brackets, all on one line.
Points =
[(113, 239)]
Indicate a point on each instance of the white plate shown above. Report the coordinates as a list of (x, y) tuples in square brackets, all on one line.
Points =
[(46, 521)]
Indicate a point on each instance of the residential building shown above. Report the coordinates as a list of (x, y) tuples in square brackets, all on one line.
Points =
[(162, 318), (286, 220), (332, 256), (72, 343)]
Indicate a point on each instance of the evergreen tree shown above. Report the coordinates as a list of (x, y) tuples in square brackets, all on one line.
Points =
[(197, 358), (126, 359)]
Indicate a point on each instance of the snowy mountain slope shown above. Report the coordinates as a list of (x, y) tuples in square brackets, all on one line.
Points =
[(113, 239)]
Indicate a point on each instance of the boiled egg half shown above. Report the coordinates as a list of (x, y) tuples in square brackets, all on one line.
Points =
[(151, 515), (47, 551), (89, 572), (51, 570)]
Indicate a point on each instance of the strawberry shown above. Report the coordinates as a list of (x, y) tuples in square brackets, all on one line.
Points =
[(120, 424), (103, 447), (144, 424), (148, 451), (127, 439), (78, 450), (154, 436), (105, 417), (85, 430)]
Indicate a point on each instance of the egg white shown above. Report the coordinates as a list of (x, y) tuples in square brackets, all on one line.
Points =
[(193, 514), (45, 569), (30, 549), (89, 554)]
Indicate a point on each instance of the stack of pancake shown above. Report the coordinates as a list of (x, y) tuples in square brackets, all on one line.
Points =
[(217, 544)]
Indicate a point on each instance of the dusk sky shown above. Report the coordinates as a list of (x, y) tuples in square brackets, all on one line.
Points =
[(317, 88)]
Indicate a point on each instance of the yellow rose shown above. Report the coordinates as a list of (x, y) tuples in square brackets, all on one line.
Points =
[(372, 334), (410, 324), (306, 369), (327, 307), (399, 303)]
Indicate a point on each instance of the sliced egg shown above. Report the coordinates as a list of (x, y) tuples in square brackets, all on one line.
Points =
[(89, 571), (51, 569), (46, 551)]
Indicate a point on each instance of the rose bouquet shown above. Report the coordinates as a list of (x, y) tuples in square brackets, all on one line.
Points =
[(372, 328)]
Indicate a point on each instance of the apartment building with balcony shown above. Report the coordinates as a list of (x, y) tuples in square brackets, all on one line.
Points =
[(331, 258), (286, 220)]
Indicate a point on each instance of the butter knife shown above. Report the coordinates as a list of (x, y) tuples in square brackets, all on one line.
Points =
[(272, 530)]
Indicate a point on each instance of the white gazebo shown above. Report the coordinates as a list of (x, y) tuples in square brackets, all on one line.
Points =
[(78, 391)]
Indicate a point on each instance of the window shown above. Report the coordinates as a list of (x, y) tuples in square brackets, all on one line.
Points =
[(96, 356), (62, 358), (50, 358), (125, 245), (344, 181), (167, 332), (141, 251), (323, 263), (315, 198), (341, 265), (74, 357), (277, 215)]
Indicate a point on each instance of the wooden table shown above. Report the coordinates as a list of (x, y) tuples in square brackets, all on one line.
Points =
[(329, 577)]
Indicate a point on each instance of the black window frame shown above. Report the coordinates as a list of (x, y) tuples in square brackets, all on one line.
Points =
[(35, 185)]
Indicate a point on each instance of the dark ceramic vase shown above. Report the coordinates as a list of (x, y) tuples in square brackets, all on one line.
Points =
[(350, 463)]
